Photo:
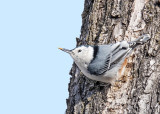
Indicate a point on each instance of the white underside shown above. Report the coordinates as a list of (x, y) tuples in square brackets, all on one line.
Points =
[(107, 77)]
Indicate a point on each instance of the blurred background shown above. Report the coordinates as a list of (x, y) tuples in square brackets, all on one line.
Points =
[(34, 74)]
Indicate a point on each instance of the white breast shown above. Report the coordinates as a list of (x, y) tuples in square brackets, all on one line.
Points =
[(107, 77)]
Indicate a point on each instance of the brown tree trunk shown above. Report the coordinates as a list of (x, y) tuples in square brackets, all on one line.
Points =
[(137, 89)]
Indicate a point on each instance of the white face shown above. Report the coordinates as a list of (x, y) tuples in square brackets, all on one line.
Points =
[(82, 54)]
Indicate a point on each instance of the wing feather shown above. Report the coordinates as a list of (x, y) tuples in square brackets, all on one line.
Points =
[(107, 57)]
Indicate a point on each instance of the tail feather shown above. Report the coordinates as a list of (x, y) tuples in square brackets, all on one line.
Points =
[(139, 41)]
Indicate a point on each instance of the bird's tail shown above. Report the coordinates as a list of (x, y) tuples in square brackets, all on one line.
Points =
[(139, 41)]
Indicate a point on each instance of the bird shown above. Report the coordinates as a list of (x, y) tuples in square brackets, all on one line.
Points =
[(102, 62)]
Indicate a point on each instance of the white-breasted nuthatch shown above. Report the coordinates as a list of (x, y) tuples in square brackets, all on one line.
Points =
[(102, 62)]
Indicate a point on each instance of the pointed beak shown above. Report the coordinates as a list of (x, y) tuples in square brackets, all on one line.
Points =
[(65, 50)]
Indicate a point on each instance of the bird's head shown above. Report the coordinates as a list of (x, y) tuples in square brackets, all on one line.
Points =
[(81, 54)]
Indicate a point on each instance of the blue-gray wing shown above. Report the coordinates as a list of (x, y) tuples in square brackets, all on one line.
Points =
[(108, 56)]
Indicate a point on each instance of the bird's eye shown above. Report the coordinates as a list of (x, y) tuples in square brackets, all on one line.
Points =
[(79, 50)]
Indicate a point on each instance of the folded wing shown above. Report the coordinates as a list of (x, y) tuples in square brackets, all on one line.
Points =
[(108, 56)]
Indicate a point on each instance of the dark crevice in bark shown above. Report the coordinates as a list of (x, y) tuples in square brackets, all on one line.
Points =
[(157, 3), (100, 26)]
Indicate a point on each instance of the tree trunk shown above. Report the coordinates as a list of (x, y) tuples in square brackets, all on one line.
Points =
[(137, 89)]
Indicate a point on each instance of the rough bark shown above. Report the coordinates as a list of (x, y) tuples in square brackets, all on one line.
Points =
[(137, 90)]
